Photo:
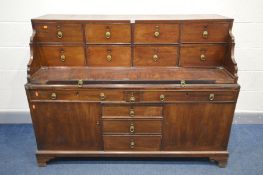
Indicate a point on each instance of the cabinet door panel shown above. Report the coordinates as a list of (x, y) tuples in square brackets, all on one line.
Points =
[(197, 126), (66, 126)]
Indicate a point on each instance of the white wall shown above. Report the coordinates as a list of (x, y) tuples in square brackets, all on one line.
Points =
[(15, 30)]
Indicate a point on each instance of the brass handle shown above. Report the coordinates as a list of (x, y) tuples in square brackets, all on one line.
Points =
[(183, 83), (155, 57), (80, 83), (102, 96), (132, 144), (205, 34), (156, 34), (109, 57), (132, 113), (59, 34), (132, 129), (202, 57), (53, 96), (162, 97), (132, 99), (211, 97), (62, 58), (107, 35)]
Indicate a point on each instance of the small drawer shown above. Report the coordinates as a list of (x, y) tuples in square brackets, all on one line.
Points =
[(155, 55), (132, 126), (168, 96), (54, 32), (131, 111), (205, 32), (156, 33), (202, 55), (131, 143), (87, 95), (108, 33), (106, 56), (62, 55)]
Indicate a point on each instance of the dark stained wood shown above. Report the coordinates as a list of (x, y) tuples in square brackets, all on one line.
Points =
[(119, 33), (166, 56), (191, 55), (120, 56), (144, 33), (108, 97), (193, 32), (62, 55)]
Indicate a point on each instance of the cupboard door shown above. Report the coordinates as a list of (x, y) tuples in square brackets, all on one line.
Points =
[(66, 126), (197, 126)]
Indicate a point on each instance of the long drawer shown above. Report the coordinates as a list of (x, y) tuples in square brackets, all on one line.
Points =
[(131, 143), (132, 126)]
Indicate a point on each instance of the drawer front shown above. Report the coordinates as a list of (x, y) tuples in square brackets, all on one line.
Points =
[(155, 56), (202, 55), (53, 32), (167, 96), (108, 33), (132, 126), (156, 33), (131, 111), (131, 143), (205, 32), (87, 95), (107, 56), (62, 56)]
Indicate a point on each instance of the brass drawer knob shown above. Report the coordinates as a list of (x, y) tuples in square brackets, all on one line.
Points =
[(102, 96), (80, 83), (156, 34), (132, 113), (132, 99), (109, 57), (62, 58), (162, 97), (53, 96), (107, 35), (59, 34), (211, 97), (205, 34), (202, 57), (155, 57), (132, 128), (132, 144)]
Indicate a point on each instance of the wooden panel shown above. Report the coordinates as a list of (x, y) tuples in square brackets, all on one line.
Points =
[(189, 95), (202, 55), (88, 94), (155, 56), (119, 33), (136, 111), (107, 56), (193, 32), (47, 32), (62, 55), (66, 126), (124, 143), (168, 33), (197, 126), (132, 126)]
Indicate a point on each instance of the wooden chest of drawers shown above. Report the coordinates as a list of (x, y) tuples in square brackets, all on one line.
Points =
[(132, 86)]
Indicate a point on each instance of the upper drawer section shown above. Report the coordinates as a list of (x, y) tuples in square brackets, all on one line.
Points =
[(205, 32), (53, 32), (156, 33), (108, 33)]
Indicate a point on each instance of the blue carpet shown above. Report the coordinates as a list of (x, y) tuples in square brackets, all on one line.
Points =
[(17, 157)]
